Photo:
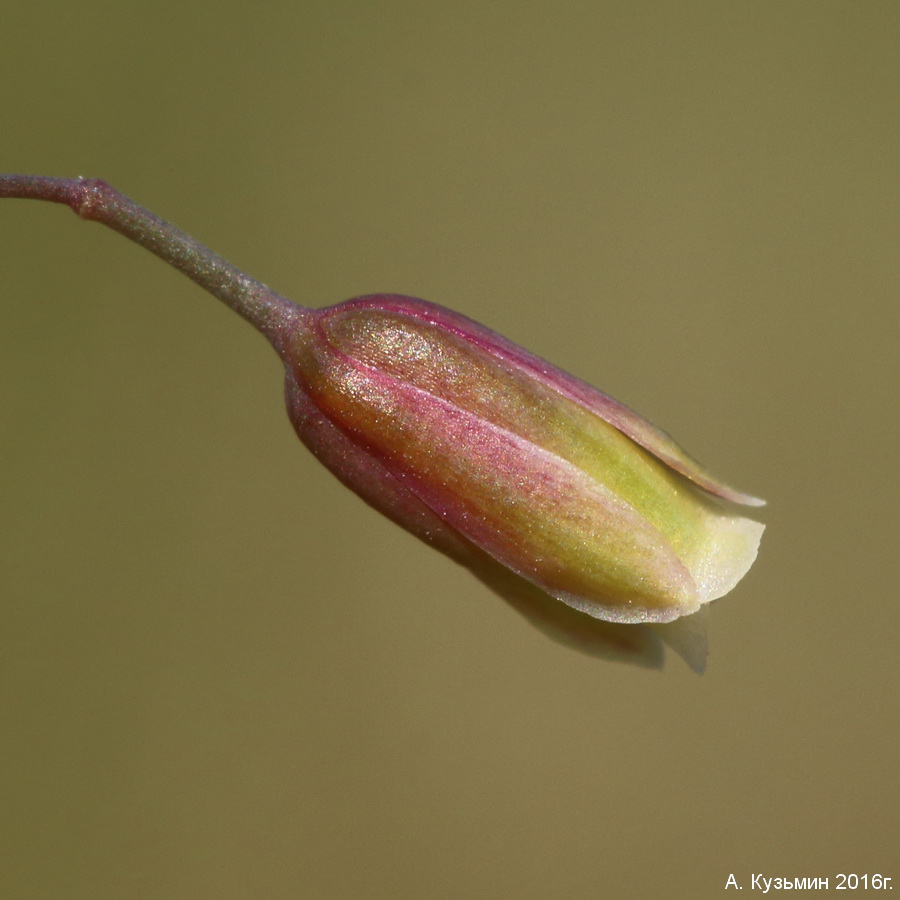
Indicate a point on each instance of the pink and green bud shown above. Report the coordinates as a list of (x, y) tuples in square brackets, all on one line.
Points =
[(539, 483), (466, 439)]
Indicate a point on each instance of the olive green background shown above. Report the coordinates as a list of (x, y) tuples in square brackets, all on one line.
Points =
[(221, 675)]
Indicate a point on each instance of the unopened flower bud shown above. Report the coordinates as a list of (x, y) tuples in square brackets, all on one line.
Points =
[(474, 444)]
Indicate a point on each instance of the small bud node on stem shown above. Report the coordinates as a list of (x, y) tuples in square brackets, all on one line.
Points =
[(87, 196)]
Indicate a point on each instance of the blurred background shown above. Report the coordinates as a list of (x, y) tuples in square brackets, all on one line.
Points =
[(221, 675)]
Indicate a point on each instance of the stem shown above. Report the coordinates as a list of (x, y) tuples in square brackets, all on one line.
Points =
[(93, 199)]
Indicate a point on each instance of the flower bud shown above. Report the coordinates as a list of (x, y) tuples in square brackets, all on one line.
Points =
[(499, 459)]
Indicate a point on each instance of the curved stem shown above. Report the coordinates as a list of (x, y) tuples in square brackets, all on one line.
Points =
[(93, 199)]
